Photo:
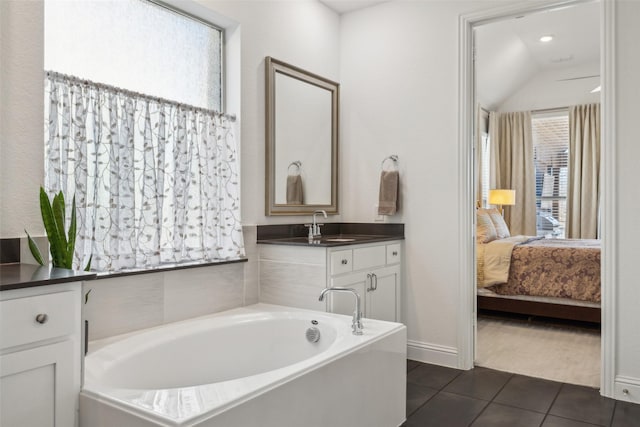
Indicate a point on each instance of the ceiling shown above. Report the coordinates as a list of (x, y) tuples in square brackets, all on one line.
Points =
[(344, 6), (509, 52)]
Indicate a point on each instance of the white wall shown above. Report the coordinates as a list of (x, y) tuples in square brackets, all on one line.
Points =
[(627, 177), (399, 63), (304, 33), (545, 90), (21, 116)]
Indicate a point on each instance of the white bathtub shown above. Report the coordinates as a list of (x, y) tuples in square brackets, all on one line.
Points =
[(251, 366)]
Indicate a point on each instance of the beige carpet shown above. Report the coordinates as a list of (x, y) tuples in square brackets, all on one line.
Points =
[(562, 353)]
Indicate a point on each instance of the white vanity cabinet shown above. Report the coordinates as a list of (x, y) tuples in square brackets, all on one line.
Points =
[(374, 272), (40, 351), (294, 275)]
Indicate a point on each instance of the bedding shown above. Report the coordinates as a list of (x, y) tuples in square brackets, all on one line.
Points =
[(563, 268)]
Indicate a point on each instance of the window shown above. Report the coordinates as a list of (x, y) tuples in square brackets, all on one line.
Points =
[(134, 129), (136, 45), (485, 169), (551, 156)]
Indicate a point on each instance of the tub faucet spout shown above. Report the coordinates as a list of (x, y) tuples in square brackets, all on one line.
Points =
[(356, 325)]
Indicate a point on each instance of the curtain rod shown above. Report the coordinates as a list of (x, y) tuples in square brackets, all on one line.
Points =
[(550, 110), (60, 76)]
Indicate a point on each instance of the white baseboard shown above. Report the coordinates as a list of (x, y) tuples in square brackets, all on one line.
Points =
[(432, 353), (627, 389)]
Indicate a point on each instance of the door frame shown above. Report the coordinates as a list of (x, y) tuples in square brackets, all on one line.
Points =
[(466, 121)]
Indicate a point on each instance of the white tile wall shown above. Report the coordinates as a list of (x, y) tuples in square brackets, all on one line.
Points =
[(125, 304), (206, 290), (295, 285)]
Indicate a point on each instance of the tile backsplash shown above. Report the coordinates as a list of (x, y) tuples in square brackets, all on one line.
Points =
[(124, 304), (9, 250)]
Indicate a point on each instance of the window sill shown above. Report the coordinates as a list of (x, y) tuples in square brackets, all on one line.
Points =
[(168, 267)]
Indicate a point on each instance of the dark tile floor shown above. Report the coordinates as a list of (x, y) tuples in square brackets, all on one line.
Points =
[(445, 397)]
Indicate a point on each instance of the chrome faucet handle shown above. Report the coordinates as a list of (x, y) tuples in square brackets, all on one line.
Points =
[(311, 228), (356, 325)]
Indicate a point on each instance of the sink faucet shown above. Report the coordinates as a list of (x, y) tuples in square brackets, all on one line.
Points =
[(314, 229), (356, 325)]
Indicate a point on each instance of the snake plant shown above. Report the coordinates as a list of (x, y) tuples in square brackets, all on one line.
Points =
[(62, 244)]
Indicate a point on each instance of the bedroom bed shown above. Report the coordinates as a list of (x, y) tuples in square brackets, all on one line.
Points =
[(557, 278)]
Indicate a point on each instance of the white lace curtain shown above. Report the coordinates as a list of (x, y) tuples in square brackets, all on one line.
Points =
[(155, 182)]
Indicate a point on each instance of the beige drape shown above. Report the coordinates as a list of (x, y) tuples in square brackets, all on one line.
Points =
[(583, 195), (514, 168)]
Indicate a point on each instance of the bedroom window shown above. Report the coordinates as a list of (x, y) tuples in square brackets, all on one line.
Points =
[(135, 129), (551, 156), (485, 169)]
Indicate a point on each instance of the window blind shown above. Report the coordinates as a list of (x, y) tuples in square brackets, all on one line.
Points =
[(551, 156)]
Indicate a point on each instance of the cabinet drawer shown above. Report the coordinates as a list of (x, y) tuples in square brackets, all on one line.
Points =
[(18, 324), (393, 253), (373, 256), (341, 262)]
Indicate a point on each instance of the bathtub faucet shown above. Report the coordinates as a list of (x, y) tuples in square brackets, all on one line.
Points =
[(357, 314)]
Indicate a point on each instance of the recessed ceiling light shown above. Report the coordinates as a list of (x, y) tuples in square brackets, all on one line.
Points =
[(598, 89), (546, 39)]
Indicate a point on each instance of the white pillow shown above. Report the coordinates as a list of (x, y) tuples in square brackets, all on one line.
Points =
[(485, 230), (502, 230)]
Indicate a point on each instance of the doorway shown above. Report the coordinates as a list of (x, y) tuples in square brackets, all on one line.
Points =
[(468, 312)]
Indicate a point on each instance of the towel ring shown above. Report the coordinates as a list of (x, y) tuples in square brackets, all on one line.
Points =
[(297, 164), (393, 157)]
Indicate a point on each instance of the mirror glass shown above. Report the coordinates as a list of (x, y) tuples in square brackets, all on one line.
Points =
[(302, 141)]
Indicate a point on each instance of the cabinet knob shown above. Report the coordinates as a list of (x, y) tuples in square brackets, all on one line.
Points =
[(42, 318), (345, 262), (394, 253)]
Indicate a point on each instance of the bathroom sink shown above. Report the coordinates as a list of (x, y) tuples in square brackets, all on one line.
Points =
[(339, 239)]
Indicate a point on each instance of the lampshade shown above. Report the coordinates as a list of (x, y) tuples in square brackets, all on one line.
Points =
[(502, 197)]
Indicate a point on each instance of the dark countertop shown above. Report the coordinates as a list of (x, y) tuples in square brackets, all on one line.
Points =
[(333, 234), (17, 276), (330, 241)]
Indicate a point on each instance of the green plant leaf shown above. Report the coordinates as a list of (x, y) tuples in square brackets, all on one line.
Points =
[(58, 208), (71, 242), (50, 226), (34, 250), (88, 267)]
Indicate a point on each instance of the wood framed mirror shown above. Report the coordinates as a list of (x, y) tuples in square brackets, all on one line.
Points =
[(301, 141)]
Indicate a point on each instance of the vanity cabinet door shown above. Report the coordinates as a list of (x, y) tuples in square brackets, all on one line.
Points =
[(383, 296), (37, 387), (345, 303), (379, 290), (40, 356)]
